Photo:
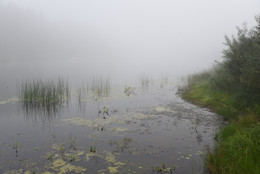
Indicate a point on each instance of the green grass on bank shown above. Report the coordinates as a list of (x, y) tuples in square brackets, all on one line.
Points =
[(238, 150), (219, 101), (230, 103)]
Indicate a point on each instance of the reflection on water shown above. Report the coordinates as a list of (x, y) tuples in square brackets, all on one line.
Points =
[(44, 99), (127, 129)]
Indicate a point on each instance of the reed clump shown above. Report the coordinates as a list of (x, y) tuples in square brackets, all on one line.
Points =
[(47, 96), (100, 86)]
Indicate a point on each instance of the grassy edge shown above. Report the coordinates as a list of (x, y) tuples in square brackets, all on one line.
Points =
[(238, 150)]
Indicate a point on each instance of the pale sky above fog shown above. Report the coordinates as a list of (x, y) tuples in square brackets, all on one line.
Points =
[(119, 36)]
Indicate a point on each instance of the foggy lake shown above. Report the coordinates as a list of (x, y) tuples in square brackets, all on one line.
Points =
[(92, 86)]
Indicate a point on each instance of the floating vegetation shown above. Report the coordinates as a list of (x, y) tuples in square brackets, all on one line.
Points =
[(19, 171), (91, 154), (60, 160), (110, 159), (199, 152), (164, 169), (162, 109), (8, 100), (104, 111), (117, 129), (72, 157), (60, 167), (45, 97), (123, 145), (50, 157), (99, 122), (128, 90)]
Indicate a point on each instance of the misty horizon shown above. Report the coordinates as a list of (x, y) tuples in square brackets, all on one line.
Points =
[(130, 37)]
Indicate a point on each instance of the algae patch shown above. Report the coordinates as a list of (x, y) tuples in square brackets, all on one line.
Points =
[(61, 167), (98, 122), (117, 129), (162, 109), (9, 100), (112, 169)]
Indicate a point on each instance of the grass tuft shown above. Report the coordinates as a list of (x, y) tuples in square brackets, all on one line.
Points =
[(238, 149), (44, 96)]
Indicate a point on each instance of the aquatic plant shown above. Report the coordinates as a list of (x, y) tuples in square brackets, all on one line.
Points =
[(73, 157), (50, 157), (163, 169), (100, 87), (104, 111), (73, 144), (15, 146), (82, 95), (62, 149), (128, 90), (92, 149), (46, 97), (122, 145)]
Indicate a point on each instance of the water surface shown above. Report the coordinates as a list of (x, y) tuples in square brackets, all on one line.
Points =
[(129, 129)]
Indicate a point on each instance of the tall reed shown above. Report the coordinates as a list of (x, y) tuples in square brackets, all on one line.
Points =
[(45, 96), (100, 86)]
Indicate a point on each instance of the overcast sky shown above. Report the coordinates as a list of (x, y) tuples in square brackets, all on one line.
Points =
[(173, 37)]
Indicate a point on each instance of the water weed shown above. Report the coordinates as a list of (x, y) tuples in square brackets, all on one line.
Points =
[(100, 87), (50, 157), (62, 149), (128, 90), (46, 97), (163, 169), (92, 149)]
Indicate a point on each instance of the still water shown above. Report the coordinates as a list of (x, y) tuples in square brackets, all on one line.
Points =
[(144, 127)]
